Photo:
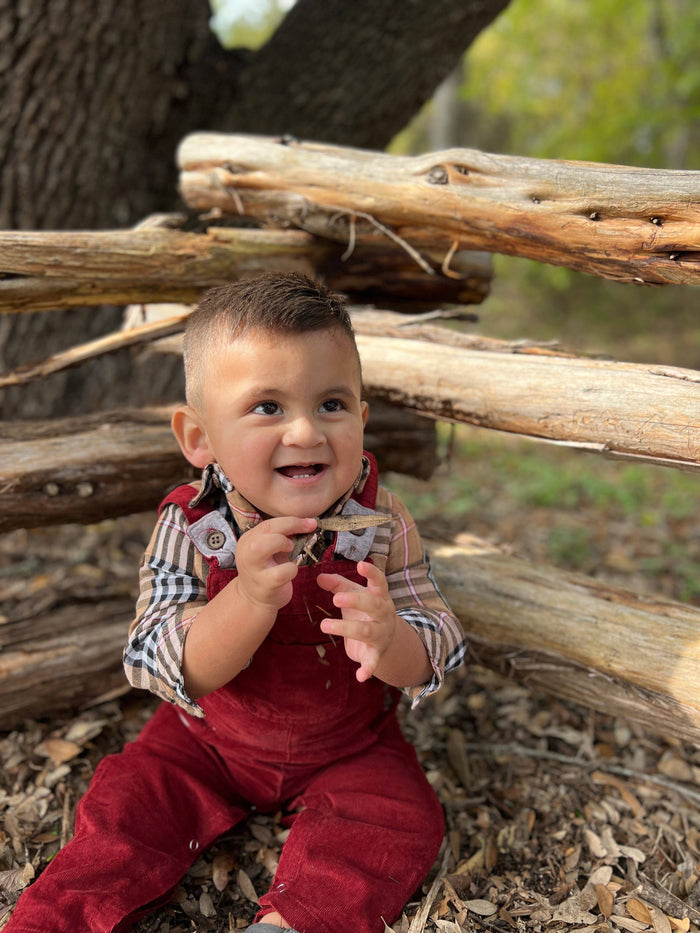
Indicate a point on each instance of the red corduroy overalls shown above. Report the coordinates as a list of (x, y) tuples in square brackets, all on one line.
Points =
[(293, 730)]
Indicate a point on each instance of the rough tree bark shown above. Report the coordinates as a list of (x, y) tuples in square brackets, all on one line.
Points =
[(95, 96), (48, 270)]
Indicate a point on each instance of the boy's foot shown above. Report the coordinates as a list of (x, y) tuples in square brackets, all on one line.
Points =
[(267, 928)]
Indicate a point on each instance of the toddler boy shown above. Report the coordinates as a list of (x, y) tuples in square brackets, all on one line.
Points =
[(284, 600)]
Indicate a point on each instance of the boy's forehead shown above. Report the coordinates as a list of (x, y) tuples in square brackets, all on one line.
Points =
[(257, 343)]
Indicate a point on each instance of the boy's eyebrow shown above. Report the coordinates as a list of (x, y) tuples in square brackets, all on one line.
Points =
[(339, 390), (259, 391)]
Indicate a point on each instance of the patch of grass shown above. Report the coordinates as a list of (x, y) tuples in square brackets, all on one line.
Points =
[(634, 522), (571, 546)]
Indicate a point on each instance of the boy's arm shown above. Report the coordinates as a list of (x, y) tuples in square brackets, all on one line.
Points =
[(172, 590), (180, 645)]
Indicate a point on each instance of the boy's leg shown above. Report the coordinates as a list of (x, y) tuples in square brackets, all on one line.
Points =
[(147, 814), (366, 834)]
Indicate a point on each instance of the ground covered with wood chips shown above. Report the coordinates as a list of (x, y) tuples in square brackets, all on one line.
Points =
[(558, 818)]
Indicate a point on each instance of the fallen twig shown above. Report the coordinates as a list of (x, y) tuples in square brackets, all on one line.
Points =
[(525, 751), (28, 372), (666, 901), (421, 918)]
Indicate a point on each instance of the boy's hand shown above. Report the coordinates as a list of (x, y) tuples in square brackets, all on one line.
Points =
[(369, 619), (265, 572)]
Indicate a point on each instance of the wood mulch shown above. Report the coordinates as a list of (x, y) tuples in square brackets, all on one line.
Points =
[(558, 818)]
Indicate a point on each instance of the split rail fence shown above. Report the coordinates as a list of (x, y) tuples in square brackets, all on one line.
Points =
[(412, 233)]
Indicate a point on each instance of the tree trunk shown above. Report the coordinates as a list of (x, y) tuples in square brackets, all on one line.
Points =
[(355, 73), (96, 96), (629, 224)]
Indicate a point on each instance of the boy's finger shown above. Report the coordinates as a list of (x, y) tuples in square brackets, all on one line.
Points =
[(281, 573), (357, 629), (335, 583), (273, 547), (364, 672), (288, 525), (376, 580)]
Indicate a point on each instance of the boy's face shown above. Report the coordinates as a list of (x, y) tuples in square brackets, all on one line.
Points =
[(283, 416)]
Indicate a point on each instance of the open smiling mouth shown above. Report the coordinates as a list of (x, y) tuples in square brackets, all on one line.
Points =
[(302, 470)]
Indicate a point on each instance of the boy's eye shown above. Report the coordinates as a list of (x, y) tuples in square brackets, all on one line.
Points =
[(266, 408), (332, 404)]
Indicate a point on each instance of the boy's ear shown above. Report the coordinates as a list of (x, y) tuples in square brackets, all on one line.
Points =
[(365, 412), (191, 436)]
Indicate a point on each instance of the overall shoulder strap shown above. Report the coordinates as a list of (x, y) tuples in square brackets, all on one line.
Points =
[(368, 496), (182, 496)]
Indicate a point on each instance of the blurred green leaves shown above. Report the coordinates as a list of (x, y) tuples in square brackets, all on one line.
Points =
[(606, 80)]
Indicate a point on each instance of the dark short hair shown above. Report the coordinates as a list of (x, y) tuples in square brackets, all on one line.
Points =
[(283, 303)]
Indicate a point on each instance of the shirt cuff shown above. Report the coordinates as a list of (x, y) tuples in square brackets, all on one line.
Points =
[(185, 702), (428, 630)]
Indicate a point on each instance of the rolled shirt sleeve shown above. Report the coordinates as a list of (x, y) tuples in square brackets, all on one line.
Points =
[(416, 595), (172, 582)]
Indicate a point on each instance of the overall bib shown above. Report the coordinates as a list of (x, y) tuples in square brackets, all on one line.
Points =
[(293, 731)]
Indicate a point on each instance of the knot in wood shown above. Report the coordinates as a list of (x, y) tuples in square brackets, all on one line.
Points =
[(438, 175), (52, 489), (85, 490)]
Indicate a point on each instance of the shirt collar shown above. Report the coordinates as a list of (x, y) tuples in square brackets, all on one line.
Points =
[(245, 515)]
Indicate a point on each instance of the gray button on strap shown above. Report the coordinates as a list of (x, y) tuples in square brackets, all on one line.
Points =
[(214, 537)]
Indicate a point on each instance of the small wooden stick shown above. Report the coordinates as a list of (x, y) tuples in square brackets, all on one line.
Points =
[(334, 523)]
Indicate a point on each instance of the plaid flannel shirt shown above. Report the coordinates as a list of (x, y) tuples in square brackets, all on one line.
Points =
[(173, 589)]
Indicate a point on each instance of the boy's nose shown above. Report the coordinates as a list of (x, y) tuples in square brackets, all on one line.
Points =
[(303, 432)]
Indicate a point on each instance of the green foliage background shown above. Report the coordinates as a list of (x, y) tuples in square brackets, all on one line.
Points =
[(603, 80)]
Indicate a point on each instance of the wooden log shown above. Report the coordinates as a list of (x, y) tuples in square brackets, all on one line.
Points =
[(569, 635), (49, 269), (630, 224), (62, 656), (624, 410), (119, 462), (375, 322), (165, 335), (74, 356), (87, 468), (622, 653)]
